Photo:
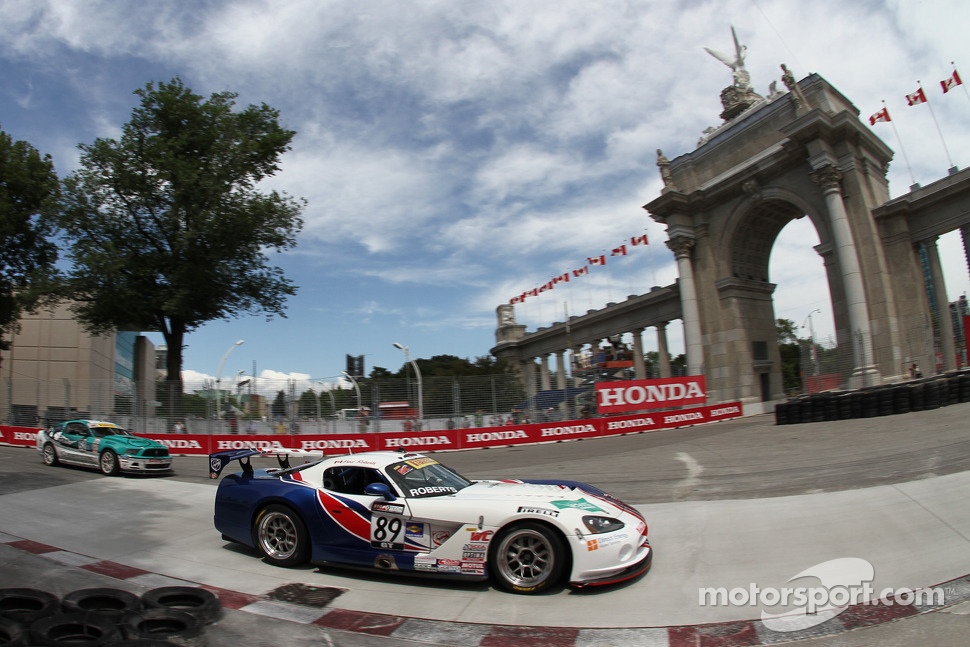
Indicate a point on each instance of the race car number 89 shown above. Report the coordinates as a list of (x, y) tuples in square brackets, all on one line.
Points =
[(386, 532)]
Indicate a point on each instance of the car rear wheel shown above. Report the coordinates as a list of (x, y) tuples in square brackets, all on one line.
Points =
[(282, 536), (527, 558), (108, 463), (50, 454)]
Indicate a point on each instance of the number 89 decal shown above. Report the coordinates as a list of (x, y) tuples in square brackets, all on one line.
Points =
[(387, 532)]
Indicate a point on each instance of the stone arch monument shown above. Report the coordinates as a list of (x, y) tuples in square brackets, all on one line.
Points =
[(801, 153)]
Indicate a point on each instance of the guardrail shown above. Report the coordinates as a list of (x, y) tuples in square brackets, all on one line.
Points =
[(437, 440)]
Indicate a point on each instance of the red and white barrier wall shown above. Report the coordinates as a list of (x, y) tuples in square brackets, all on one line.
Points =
[(425, 441)]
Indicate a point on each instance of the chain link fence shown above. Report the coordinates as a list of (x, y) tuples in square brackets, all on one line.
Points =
[(280, 406)]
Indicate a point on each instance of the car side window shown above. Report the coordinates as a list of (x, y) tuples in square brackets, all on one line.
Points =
[(350, 480), (77, 429)]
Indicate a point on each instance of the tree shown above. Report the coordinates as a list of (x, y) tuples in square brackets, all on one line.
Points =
[(28, 197), (168, 230), (790, 353)]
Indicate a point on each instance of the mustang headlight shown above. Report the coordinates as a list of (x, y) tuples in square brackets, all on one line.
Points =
[(597, 525)]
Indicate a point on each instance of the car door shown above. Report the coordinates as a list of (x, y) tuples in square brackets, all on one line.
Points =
[(74, 444), (362, 526)]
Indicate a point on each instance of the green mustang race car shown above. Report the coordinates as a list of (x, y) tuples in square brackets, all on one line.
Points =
[(103, 445)]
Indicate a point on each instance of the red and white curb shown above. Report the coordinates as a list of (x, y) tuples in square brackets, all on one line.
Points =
[(742, 633)]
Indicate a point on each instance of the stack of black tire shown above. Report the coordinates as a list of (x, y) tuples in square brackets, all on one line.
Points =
[(885, 400), (107, 617)]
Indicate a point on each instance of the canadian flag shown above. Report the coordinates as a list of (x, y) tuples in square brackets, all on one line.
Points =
[(882, 115), (619, 251), (561, 278), (952, 82), (597, 260), (581, 271), (916, 98), (639, 240)]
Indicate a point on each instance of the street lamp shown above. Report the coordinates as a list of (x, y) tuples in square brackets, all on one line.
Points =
[(357, 388), (811, 339), (219, 377), (417, 373)]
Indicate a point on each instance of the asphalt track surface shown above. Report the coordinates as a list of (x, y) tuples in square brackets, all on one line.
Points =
[(732, 503)]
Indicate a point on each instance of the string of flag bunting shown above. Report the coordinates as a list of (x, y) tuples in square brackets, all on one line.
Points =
[(918, 98), (591, 261)]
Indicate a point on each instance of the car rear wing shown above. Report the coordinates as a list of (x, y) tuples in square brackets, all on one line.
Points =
[(219, 460)]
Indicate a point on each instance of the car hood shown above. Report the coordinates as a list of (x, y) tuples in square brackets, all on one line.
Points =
[(558, 496)]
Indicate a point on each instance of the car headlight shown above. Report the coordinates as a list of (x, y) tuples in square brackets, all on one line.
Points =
[(597, 525)]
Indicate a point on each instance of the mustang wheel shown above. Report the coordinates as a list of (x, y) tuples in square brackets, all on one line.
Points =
[(108, 463), (50, 454), (281, 536), (527, 558)]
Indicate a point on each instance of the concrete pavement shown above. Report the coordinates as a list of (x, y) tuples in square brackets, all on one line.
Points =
[(915, 534)]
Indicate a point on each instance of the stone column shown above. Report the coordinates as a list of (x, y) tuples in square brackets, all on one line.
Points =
[(662, 350), (561, 382), (544, 381), (681, 246), (942, 306), (639, 368), (864, 373)]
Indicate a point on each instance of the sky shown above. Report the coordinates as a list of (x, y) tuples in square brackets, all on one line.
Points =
[(454, 154)]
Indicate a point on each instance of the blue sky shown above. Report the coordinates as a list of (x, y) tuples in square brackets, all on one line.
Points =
[(454, 154)]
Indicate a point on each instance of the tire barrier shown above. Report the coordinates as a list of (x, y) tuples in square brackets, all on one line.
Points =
[(12, 634), (27, 605), (195, 601), (870, 402), (170, 616), (174, 626), (108, 603)]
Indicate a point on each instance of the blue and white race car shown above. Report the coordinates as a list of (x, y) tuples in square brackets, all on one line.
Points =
[(408, 513)]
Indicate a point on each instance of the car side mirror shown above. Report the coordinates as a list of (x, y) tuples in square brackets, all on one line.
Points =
[(381, 490)]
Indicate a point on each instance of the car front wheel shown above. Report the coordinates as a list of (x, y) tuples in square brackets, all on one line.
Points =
[(108, 463), (50, 454), (282, 536), (528, 558)]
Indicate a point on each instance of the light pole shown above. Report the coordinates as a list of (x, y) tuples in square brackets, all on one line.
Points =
[(222, 363), (417, 373), (811, 340), (356, 388)]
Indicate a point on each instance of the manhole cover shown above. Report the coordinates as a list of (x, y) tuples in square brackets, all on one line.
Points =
[(305, 594)]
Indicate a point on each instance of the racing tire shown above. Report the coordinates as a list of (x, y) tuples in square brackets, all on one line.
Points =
[(105, 602), (12, 634), (27, 605), (72, 629), (527, 558), (281, 536), (49, 454), (164, 624), (108, 463), (196, 601)]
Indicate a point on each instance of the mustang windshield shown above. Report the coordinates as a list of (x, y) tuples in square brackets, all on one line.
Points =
[(425, 477)]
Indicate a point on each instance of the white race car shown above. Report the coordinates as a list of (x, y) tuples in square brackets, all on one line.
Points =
[(405, 512)]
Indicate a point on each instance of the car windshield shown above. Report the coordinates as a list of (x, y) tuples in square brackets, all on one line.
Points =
[(425, 477), (101, 432)]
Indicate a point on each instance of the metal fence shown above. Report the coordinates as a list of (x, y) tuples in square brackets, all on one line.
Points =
[(826, 364), (284, 406)]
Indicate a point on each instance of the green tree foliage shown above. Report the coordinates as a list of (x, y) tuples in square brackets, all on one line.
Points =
[(168, 230), (28, 197), (790, 352)]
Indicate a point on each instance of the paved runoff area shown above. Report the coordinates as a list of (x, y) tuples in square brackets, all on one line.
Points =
[(718, 563)]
